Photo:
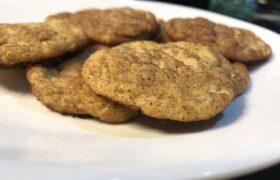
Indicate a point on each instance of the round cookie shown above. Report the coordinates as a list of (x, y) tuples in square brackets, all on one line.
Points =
[(181, 81), (234, 43), (33, 42), (115, 26), (62, 89)]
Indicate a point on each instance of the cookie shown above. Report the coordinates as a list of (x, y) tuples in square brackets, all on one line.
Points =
[(180, 81), (114, 26), (32, 42), (62, 89), (234, 43)]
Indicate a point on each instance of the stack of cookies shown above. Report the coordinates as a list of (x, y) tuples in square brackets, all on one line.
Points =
[(114, 64)]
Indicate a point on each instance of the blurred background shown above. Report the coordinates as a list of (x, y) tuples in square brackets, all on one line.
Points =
[(265, 13)]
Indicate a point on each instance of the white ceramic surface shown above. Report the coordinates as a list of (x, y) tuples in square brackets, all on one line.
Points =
[(36, 143)]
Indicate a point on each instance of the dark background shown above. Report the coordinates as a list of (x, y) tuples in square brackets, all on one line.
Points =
[(265, 13)]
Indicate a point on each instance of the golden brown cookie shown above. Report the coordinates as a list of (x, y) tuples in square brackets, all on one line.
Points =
[(234, 43), (33, 42), (240, 77), (181, 81), (62, 89), (114, 26)]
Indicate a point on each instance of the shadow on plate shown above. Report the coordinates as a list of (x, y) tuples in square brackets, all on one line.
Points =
[(174, 127), (14, 80)]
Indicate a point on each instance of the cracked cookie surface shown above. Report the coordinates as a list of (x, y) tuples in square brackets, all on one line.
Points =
[(181, 81), (33, 42), (62, 89), (114, 26), (234, 43)]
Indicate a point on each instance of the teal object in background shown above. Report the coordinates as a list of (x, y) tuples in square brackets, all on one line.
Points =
[(243, 9)]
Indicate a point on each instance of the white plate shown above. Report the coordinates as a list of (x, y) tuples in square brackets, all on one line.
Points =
[(39, 144)]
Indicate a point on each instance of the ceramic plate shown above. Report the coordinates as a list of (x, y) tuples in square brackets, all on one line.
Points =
[(37, 143)]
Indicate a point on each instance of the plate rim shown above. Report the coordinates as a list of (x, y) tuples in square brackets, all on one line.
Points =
[(249, 169)]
